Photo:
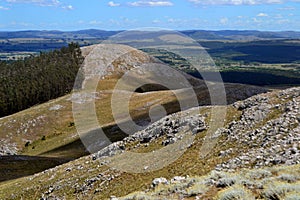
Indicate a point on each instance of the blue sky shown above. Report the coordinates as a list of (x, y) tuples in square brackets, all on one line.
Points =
[(131, 14)]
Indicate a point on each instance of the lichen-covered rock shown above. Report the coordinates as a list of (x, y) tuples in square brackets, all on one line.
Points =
[(271, 142)]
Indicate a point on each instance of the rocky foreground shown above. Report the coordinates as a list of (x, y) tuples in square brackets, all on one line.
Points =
[(259, 132), (268, 126), (268, 131)]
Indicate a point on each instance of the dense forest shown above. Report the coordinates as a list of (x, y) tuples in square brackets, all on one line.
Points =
[(35, 80)]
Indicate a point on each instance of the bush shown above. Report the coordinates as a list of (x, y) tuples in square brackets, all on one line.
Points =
[(288, 178), (259, 174), (226, 181), (292, 196), (27, 144), (278, 190), (196, 189), (137, 196), (237, 192)]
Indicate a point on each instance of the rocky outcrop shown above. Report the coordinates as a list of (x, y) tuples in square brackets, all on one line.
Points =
[(270, 130), (170, 127), (7, 148)]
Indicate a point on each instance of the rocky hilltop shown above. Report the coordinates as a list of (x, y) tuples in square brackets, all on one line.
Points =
[(255, 155)]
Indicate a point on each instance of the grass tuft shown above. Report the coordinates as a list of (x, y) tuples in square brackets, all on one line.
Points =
[(237, 192), (278, 190), (137, 196), (197, 189), (292, 196)]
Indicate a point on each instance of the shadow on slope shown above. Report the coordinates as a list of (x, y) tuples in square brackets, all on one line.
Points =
[(14, 166)]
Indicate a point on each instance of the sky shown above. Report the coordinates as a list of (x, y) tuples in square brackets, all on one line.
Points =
[(68, 15)]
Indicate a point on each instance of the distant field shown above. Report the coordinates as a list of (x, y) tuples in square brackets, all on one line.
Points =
[(13, 49), (253, 78), (257, 62), (17, 55), (262, 63), (265, 51)]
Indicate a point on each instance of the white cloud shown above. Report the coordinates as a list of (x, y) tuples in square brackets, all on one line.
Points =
[(224, 20), (255, 20), (239, 2), (69, 7), (44, 3), (262, 15), (278, 16), (3, 8), (95, 22), (151, 3), (156, 21), (37, 2), (287, 8), (283, 21), (113, 4)]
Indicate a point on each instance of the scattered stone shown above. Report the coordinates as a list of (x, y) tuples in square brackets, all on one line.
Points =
[(277, 141), (158, 181), (56, 107)]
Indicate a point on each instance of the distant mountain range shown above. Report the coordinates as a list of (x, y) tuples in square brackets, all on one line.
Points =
[(195, 34)]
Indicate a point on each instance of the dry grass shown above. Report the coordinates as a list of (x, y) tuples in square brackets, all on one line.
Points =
[(61, 141), (123, 184), (203, 188)]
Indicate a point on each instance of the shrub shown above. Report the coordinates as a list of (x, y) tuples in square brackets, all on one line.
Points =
[(71, 124), (259, 174), (196, 189), (215, 175), (251, 184), (137, 196), (177, 187), (237, 192), (226, 181), (288, 177), (292, 196), (27, 144), (277, 190)]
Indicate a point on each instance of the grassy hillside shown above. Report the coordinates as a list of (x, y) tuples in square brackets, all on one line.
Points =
[(268, 183), (89, 177), (48, 134)]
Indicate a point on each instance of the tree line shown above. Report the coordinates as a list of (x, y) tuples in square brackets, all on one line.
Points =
[(35, 80)]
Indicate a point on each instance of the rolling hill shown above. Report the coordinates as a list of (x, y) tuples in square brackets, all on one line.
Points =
[(195, 34), (47, 132), (255, 155)]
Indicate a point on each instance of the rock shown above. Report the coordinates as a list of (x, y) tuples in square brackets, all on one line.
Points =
[(272, 142), (158, 181), (113, 198), (68, 169), (56, 107), (177, 179)]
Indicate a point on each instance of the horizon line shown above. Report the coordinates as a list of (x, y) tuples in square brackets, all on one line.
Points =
[(120, 30)]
